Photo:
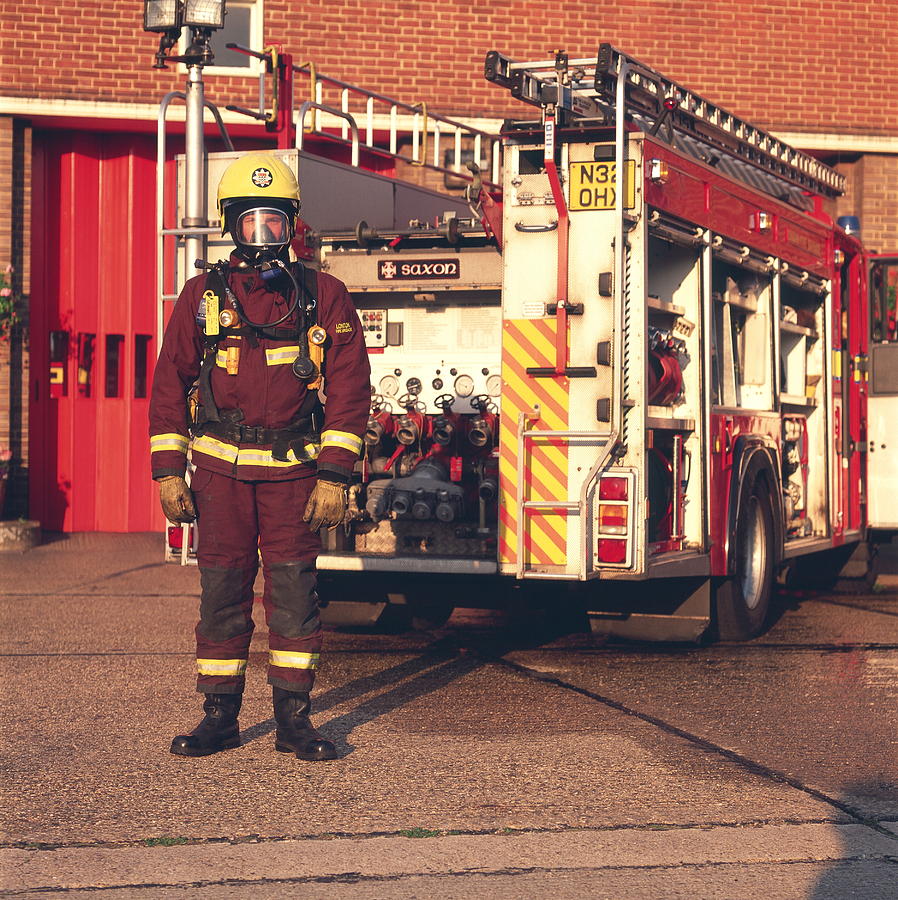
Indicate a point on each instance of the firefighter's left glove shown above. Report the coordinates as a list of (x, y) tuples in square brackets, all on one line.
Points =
[(327, 505), (176, 498)]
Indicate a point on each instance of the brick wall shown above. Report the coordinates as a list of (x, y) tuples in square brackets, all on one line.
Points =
[(827, 66), (812, 65), (878, 209), (15, 197)]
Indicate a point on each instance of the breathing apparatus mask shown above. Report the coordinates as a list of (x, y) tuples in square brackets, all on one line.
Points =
[(261, 233)]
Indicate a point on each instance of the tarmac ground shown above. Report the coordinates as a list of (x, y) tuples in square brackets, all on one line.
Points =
[(479, 757)]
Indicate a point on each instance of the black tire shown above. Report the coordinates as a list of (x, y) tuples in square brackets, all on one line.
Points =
[(742, 601)]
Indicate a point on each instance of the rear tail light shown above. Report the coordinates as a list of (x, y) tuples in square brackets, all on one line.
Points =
[(615, 519), (614, 487), (612, 551)]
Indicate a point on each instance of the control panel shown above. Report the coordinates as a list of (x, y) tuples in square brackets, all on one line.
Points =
[(374, 327)]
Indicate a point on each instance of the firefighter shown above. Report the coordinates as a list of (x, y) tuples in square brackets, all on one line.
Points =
[(248, 345)]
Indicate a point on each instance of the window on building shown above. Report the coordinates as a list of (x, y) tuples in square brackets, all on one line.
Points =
[(141, 363), (114, 361), (243, 25)]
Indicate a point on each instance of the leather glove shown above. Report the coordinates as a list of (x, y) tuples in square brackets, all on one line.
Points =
[(327, 505), (176, 499)]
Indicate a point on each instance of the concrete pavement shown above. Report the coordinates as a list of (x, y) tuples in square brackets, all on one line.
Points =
[(457, 773)]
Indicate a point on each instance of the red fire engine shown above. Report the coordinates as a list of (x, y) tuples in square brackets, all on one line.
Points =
[(655, 398)]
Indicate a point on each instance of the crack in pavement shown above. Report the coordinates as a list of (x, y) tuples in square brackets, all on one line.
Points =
[(511, 871), (744, 762), (184, 841)]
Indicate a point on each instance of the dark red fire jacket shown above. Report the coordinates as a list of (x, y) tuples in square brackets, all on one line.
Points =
[(261, 383)]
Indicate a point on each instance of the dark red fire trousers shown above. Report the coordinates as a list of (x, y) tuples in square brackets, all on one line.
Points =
[(236, 520)]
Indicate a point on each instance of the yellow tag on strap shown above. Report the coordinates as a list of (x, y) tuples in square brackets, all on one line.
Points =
[(212, 302)]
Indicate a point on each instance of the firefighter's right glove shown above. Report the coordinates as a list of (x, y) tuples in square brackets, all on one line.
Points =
[(176, 499), (327, 505)]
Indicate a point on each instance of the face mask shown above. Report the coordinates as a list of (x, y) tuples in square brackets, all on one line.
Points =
[(262, 229)]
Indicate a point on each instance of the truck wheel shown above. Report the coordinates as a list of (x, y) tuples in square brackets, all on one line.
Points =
[(742, 601)]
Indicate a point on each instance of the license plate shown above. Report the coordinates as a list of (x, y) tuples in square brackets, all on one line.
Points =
[(594, 185)]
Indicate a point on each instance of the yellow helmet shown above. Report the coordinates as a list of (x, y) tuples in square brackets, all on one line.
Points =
[(258, 176)]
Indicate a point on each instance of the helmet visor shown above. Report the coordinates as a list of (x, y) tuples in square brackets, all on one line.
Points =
[(262, 227)]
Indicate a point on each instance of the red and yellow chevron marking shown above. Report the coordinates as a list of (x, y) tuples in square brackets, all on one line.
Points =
[(530, 343)]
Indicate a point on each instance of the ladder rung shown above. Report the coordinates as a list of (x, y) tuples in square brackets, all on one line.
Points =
[(568, 435), (181, 232), (549, 504), (555, 576)]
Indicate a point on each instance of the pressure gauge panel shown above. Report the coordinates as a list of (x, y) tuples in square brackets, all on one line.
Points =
[(422, 351)]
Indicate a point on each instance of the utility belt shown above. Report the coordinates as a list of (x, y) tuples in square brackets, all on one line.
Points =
[(304, 429)]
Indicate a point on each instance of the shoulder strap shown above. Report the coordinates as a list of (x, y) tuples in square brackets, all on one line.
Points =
[(215, 286), (309, 283)]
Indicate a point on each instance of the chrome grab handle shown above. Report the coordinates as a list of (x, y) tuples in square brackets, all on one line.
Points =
[(520, 226)]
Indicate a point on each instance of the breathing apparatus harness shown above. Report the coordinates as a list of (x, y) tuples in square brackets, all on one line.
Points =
[(218, 323)]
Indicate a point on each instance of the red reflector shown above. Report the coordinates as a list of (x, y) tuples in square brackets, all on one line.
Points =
[(176, 536), (611, 488), (612, 551)]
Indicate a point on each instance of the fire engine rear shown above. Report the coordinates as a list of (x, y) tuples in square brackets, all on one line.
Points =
[(662, 411)]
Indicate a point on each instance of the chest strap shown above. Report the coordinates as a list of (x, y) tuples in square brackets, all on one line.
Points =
[(215, 285)]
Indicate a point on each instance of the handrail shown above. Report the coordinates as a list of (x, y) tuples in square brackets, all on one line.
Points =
[(300, 131), (426, 122)]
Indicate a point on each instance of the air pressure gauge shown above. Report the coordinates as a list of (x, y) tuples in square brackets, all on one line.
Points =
[(464, 385), (494, 385), (389, 384)]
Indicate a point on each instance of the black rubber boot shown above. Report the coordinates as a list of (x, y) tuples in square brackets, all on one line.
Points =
[(218, 730), (295, 733)]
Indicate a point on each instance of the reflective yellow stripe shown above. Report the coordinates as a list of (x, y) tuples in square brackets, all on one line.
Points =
[(249, 456), (221, 358), (220, 666), (212, 447), (168, 442), (265, 457), (281, 356), (288, 659), (341, 439)]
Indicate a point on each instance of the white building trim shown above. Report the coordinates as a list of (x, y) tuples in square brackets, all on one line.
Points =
[(29, 107)]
